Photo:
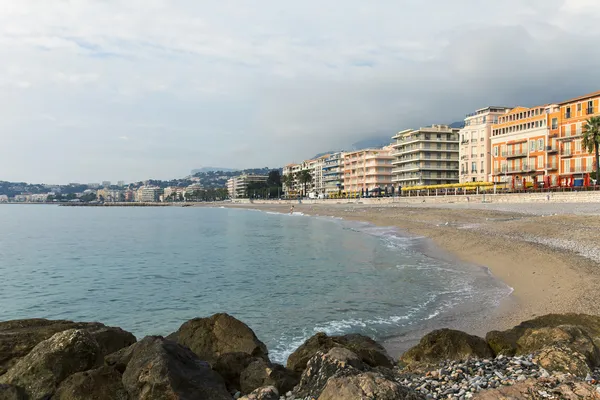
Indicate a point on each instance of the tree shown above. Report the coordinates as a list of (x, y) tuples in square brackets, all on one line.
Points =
[(591, 141), (304, 177), (274, 178), (288, 181)]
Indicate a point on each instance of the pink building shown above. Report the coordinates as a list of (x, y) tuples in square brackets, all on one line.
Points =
[(368, 169)]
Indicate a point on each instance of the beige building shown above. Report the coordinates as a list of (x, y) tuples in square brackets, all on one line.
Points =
[(295, 189), (148, 194), (368, 170), (475, 148), (426, 156)]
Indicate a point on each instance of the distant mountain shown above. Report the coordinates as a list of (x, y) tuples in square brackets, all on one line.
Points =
[(212, 169), (373, 142), (459, 124)]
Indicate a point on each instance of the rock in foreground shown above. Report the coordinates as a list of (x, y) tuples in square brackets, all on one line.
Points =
[(368, 350), (447, 344), (219, 334), (53, 360), (19, 337)]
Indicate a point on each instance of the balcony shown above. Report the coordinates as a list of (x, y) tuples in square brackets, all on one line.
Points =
[(566, 153), (551, 167), (551, 149), (514, 154)]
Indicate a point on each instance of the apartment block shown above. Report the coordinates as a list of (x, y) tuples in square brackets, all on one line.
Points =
[(292, 170), (523, 148), (333, 173), (426, 156), (575, 160), (237, 187), (148, 194), (475, 165), (368, 170)]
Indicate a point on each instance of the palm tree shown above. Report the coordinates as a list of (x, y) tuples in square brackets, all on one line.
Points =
[(304, 177), (288, 181), (591, 141)]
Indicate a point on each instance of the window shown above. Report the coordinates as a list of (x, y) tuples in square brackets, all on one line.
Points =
[(540, 144), (474, 166), (482, 167), (554, 123), (578, 107), (578, 145), (495, 151), (532, 145), (540, 162), (568, 112), (590, 107)]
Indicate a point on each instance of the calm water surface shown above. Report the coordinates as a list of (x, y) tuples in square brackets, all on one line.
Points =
[(148, 270)]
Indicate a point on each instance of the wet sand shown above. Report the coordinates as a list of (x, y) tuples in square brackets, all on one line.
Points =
[(548, 253)]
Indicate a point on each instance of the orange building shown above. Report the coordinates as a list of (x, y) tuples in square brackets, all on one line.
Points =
[(575, 161), (524, 152)]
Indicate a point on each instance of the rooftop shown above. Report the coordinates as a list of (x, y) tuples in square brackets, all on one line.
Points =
[(587, 96)]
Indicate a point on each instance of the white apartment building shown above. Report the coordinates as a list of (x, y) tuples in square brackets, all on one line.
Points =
[(295, 189), (425, 156), (3, 198), (237, 186), (475, 148), (333, 173)]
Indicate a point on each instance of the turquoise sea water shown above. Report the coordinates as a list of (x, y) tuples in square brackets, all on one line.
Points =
[(148, 270)]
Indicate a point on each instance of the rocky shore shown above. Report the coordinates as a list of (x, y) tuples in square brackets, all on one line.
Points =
[(556, 356)]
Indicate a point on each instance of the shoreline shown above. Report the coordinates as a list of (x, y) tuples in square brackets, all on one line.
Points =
[(532, 253)]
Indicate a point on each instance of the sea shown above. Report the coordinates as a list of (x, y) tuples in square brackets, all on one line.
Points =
[(288, 276)]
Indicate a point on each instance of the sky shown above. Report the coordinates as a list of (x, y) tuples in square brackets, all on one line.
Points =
[(136, 89)]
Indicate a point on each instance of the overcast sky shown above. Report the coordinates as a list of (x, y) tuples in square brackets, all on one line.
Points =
[(136, 89)]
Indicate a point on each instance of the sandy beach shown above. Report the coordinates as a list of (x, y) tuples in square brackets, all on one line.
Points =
[(548, 253)]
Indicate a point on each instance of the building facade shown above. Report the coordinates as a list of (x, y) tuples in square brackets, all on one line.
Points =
[(237, 187), (333, 173), (148, 194), (575, 160), (368, 170), (426, 156), (294, 190), (523, 149), (475, 165)]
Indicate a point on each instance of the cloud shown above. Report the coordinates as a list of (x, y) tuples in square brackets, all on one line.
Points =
[(123, 138), (241, 85)]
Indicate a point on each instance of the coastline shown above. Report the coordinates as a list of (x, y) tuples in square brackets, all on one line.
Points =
[(546, 256)]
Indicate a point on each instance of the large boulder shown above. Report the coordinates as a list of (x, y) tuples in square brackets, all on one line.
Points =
[(507, 342), (263, 393), (337, 362), (19, 337), (50, 362), (230, 366), (97, 384), (368, 385), (157, 368), (10, 392), (563, 359), (219, 334), (444, 344), (260, 373), (564, 387), (368, 350)]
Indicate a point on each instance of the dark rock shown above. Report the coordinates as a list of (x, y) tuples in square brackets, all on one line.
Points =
[(506, 342), (219, 334), (50, 362), (368, 350), (10, 392), (446, 344), (368, 385), (19, 337), (230, 367), (264, 393), (337, 362), (261, 373), (157, 368), (97, 384)]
